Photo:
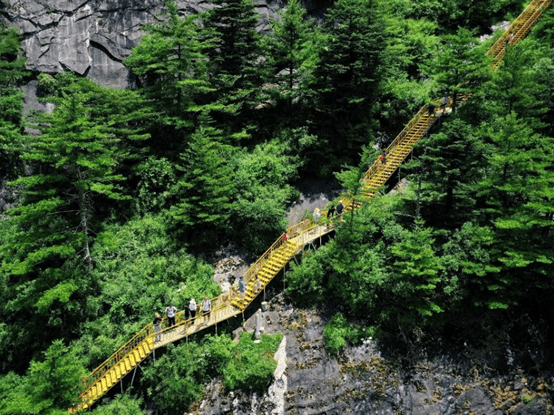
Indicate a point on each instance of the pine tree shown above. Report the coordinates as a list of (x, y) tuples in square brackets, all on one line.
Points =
[(173, 75), (290, 51), (206, 187), (514, 86), (516, 195), (416, 276), (72, 184), (346, 81), (74, 176), (459, 63), (234, 55), (12, 66), (450, 165), (544, 76)]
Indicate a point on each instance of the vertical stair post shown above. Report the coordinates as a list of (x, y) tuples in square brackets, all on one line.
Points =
[(133, 378)]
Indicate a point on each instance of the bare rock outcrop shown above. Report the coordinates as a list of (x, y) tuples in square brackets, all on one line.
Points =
[(368, 379), (93, 37)]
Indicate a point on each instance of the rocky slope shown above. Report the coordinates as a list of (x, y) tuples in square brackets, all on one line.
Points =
[(372, 379)]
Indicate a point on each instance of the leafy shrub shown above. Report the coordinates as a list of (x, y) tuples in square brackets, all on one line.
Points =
[(139, 272), (252, 365), (307, 282), (121, 405), (261, 177), (49, 385), (47, 83), (338, 333), (176, 379), (335, 333)]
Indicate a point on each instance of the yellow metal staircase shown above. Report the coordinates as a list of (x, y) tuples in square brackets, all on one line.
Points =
[(232, 303), (398, 150), (402, 145), (104, 377), (518, 29), (265, 269)]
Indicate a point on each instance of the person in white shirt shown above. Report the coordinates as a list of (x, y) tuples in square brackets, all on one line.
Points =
[(192, 309), (170, 311), (206, 309)]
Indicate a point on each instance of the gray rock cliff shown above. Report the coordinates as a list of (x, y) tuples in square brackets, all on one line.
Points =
[(368, 379), (93, 37)]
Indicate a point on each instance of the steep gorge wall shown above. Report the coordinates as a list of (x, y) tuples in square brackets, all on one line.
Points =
[(93, 37)]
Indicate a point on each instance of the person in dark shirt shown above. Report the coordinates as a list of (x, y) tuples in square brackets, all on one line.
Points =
[(431, 109), (444, 103), (340, 208), (330, 214)]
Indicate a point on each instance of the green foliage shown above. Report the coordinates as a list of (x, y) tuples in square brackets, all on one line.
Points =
[(452, 14), (351, 178), (12, 66), (335, 333), (451, 163), (247, 365), (139, 271), (206, 186), (473, 230), (172, 68), (235, 45), (518, 203), (526, 400), (176, 379), (515, 86), (417, 273), (50, 386), (307, 282), (459, 62), (339, 332), (72, 183), (122, 405), (467, 262), (291, 57), (261, 177), (47, 83), (75, 162), (346, 83), (157, 176), (544, 72), (233, 64), (410, 43)]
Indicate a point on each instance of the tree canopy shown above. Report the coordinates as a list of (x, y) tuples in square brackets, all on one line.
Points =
[(113, 203)]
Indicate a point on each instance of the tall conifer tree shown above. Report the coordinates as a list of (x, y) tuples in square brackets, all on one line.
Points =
[(290, 49), (73, 182), (206, 185), (458, 64), (12, 66), (234, 63), (173, 77), (346, 81), (448, 169), (517, 197)]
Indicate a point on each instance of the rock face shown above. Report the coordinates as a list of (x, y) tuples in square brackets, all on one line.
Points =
[(93, 37), (366, 380)]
